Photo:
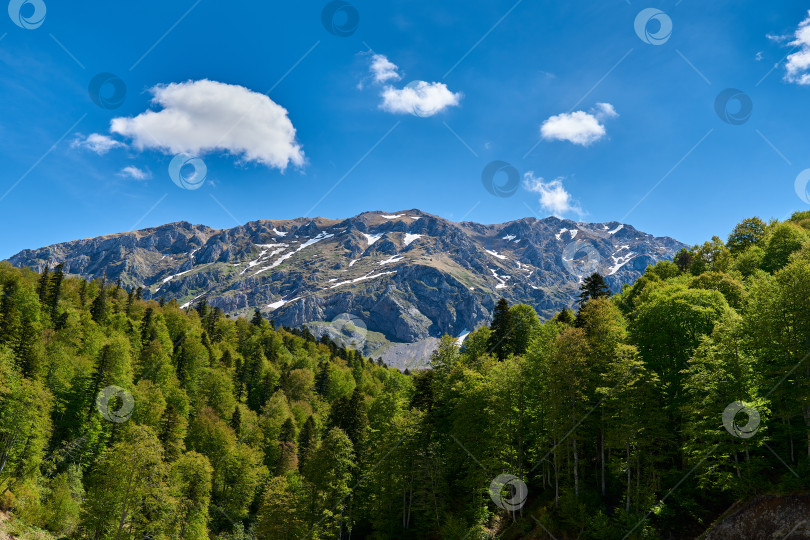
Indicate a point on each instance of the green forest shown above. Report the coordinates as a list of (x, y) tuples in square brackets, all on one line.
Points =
[(644, 414)]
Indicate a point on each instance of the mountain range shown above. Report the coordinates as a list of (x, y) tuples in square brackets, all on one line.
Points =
[(389, 283)]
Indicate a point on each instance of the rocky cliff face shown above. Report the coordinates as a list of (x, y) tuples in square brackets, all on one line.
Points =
[(766, 517), (408, 275)]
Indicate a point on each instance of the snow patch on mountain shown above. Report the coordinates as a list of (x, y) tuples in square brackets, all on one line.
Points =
[(275, 305), (496, 254), (410, 238), (321, 236), (462, 336), (393, 259), (618, 262), (168, 279), (501, 279), (363, 278), (371, 238)]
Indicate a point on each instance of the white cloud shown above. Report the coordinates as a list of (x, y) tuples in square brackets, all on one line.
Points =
[(797, 69), (578, 127), (198, 117), (758, 57), (604, 110), (135, 172), (420, 98), (95, 142), (777, 38), (383, 69), (553, 196)]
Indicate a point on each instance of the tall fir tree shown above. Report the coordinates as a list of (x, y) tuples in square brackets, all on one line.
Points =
[(44, 284), (55, 289), (593, 286), (100, 307), (502, 337)]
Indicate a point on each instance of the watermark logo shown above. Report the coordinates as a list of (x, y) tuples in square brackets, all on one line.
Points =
[(28, 14), (801, 186), (581, 258), (503, 190), (732, 426), (340, 18), (187, 171), (731, 114), (107, 90), (350, 329), (418, 105), (646, 20), (517, 492), (124, 411)]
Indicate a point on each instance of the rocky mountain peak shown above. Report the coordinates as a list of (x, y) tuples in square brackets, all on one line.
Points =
[(408, 275)]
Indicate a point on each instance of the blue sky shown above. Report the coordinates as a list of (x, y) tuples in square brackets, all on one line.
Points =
[(618, 128)]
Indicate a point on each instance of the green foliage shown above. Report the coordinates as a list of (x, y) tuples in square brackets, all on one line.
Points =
[(749, 232), (785, 238), (729, 287), (613, 418), (524, 324)]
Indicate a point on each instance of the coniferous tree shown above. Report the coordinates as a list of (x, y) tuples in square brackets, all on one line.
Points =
[(236, 420), (683, 259), (44, 284), (99, 308), (83, 294), (9, 313), (288, 448), (322, 379), (593, 287), (147, 331), (202, 307), (501, 339), (350, 415), (25, 351), (307, 440), (565, 316), (130, 300), (257, 318), (55, 289)]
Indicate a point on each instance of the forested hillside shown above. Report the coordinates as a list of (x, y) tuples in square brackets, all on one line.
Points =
[(642, 415)]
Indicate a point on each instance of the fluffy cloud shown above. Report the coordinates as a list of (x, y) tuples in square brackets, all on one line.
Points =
[(134, 172), (420, 98), (797, 69), (383, 70), (198, 117), (578, 127), (604, 111), (95, 142), (553, 196)]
